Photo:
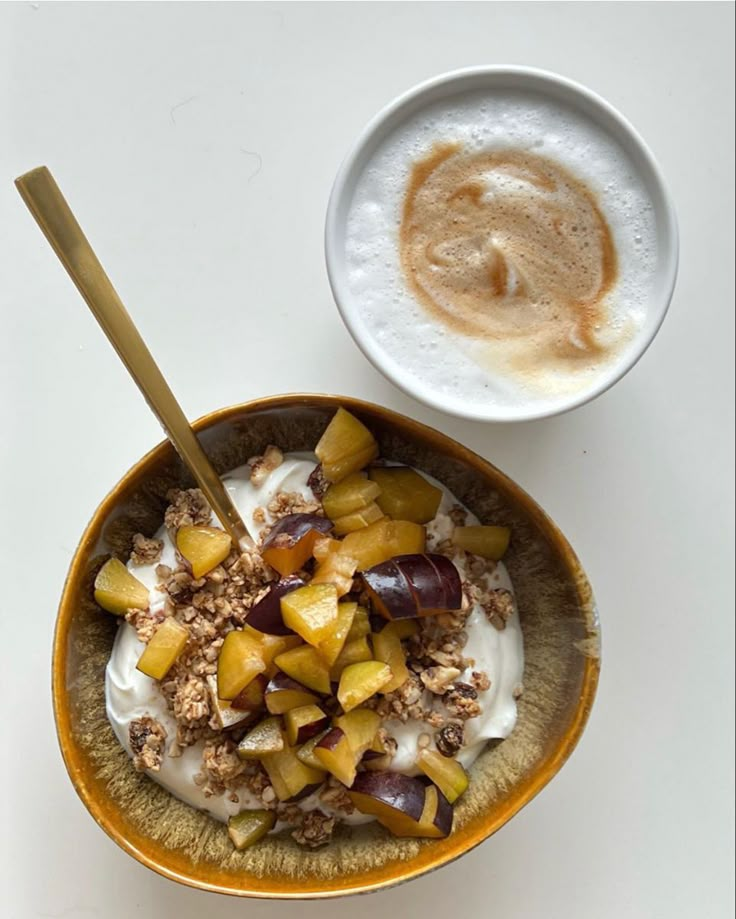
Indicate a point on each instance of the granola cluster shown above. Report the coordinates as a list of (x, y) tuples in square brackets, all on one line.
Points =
[(147, 737)]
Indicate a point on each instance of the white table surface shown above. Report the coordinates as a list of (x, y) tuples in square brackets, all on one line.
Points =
[(198, 144)]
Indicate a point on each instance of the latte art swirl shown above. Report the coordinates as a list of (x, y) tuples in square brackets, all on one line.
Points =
[(509, 247)]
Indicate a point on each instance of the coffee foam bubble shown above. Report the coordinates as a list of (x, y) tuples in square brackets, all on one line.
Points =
[(461, 367)]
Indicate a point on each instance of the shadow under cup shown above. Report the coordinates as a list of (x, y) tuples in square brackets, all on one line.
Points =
[(562, 663)]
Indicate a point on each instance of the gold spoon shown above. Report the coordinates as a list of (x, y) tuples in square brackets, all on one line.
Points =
[(55, 218)]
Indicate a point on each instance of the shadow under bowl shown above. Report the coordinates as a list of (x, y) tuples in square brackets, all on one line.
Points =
[(561, 638)]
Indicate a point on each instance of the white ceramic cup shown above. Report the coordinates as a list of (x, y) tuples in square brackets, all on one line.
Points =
[(558, 89)]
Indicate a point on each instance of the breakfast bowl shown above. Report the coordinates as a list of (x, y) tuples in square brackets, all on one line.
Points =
[(562, 660)]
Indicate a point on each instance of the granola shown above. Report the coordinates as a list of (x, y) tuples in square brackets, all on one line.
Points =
[(147, 737)]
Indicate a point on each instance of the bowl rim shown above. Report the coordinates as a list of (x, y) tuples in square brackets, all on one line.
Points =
[(587, 101), (431, 856)]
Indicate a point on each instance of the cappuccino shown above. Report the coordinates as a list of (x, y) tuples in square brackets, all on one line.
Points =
[(501, 249)]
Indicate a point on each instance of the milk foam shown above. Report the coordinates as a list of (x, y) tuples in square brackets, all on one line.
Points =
[(455, 367)]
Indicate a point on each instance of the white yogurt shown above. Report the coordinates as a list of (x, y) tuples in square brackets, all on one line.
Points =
[(131, 695)]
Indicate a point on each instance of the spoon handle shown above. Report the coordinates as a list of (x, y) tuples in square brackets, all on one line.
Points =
[(55, 218)]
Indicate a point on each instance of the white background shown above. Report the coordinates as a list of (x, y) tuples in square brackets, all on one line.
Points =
[(198, 144)]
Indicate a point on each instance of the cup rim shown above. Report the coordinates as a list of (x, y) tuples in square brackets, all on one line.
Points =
[(350, 169), (444, 851)]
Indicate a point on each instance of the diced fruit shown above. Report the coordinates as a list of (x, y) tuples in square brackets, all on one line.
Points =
[(247, 827), (446, 773), (405, 494), (252, 698), (290, 777), (405, 628), (266, 614), (390, 592), (394, 799), (240, 661), (361, 624), (387, 648), (162, 650), (437, 814), (359, 682), (306, 667), (289, 544), (311, 611), (273, 645), (375, 761), (336, 569), (283, 694), (352, 494), (117, 591), (306, 752), (203, 547), (414, 585), (345, 447), (265, 738), (331, 647), (325, 547), (358, 519), (354, 652), (486, 541), (360, 726), (383, 540), (336, 755), (304, 722), (224, 713)]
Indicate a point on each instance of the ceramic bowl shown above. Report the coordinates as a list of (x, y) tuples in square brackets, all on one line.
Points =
[(562, 663)]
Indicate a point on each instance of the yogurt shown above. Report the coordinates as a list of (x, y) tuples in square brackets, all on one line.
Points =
[(131, 694)]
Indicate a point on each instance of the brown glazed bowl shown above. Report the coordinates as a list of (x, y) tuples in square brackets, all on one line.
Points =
[(562, 664)]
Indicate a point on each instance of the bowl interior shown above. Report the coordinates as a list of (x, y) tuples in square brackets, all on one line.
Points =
[(459, 85), (562, 661)]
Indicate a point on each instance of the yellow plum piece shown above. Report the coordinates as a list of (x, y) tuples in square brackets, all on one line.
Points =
[(346, 446), (336, 569), (117, 590), (203, 547), (283, 693), (331, 647), (304, 722), (405, 494), (387, 648), (382, 540), (167, 643), (360, 726), (248, 827), (291, 540), (265, 738), (306, 752), (487, 541), (446, 773), (359, 682), (336, 755), (240, 661), (304, 665), (354, 652), (311, 612), (361, 624), (358, 519), (290, 777), (351, 495)]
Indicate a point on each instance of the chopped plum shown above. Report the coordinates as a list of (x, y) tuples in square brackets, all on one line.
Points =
[(382, 540), (437, 815), (354, 652), (486, 541), (346, 446), (283, 693), (337, 569), (161, 652), (414, 585), (331, 647), (266, 738), (360, 726), (352, 494), (405, 494), (390, 592), (359, 682), (358, 520), (387, 648), (336, 755), (117, 590), (304, 665), (248, 827), (252, 698), (203, 547), (311, 612), (306, 752), (361, 624), (291, 541), (224, 713), (290, 777), (304, 722), (240, 661), (266, 614), (446, 773), (394, 799)]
